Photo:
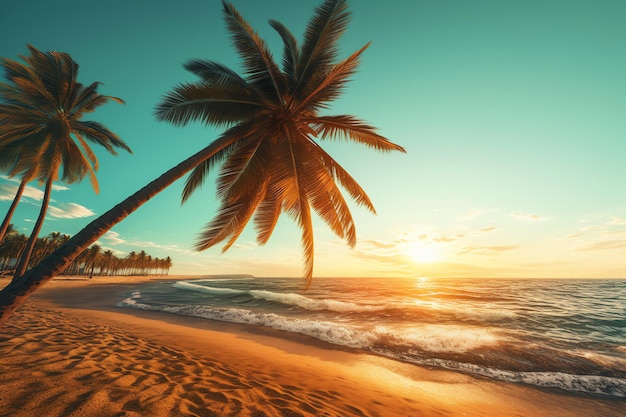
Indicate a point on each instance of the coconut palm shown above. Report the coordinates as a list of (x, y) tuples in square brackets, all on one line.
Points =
[(11, 248), (7, 218), (8, 163), (40, 119), (272, 158), (107, 262)]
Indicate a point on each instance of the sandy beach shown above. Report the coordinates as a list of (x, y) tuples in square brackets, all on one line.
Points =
[(71, 352)]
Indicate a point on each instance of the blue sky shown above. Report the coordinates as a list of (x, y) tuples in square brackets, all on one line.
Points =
[(512, 114)]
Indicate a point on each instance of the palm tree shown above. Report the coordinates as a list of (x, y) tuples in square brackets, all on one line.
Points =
[(167, 264), (7, 218), (107, 262), (10, 162), (93, 254), (272, 158), (11, 248), (41, 124)]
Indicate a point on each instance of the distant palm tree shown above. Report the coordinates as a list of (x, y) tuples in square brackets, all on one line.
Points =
[(40, 123), (93, 253), (272, 158), (11, 248), (107, 262), (167, 264)]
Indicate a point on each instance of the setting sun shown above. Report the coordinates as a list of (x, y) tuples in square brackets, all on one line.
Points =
[(423, 253)]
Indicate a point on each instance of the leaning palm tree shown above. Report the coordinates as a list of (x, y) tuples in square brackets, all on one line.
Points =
[(41, 119), (271, 155)]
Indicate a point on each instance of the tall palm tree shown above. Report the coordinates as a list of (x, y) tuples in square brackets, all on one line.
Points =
[(4, 227), (41, 119), (9, 159), (272, 159)]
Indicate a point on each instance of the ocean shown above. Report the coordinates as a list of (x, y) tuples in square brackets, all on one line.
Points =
[(561, 334)]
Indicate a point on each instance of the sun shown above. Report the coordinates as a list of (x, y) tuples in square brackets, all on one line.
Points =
[(423, 253)]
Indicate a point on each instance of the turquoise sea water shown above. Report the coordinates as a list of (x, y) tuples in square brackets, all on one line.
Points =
[(563, 334)]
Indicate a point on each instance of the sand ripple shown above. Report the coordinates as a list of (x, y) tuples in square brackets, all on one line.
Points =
[(55, 364)]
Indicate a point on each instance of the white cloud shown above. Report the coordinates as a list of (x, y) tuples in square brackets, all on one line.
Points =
[(113, 238), (7, 192), (69, 211), (32, 192), (7, 178), (56, 187)]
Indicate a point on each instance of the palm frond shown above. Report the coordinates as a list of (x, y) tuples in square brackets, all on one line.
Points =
[(14, 114), (320, 49), (325, 87), (290, 52), (19, 133), (318, 181), (212, 104), (244, 170), (100, 134), (259, 64), (87, 151), (345, 126), (197, 177), (215, 73), (217, 229), (49, 160), (87, 99), (303, 216), (250, 205), (76, 165), (223, 146), (266, 217), (348, 183), (230, 221), (84, 95), (28, 81), (73, 86)]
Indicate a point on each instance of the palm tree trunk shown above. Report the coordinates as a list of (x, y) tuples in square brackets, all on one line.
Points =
[(22, 265), (7, 218), (17, 292)]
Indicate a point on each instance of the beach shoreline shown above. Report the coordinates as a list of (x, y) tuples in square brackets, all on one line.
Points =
[(71, 352)]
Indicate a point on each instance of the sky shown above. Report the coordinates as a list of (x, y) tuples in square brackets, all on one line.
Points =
[(511, 112)]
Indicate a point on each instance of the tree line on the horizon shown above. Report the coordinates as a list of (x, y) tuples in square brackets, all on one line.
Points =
[(91, 262), (270, 158)]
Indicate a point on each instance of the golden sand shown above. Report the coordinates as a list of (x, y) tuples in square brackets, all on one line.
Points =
[(70, 352)]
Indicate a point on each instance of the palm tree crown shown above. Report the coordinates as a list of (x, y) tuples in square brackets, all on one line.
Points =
[(40, 119), (270, 155)]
